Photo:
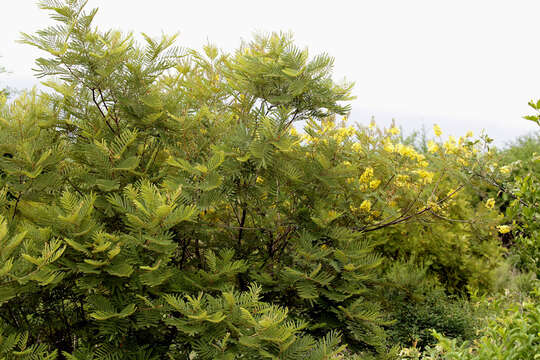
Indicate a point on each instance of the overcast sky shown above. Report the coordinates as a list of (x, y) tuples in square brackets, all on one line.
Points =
[(466, 65)]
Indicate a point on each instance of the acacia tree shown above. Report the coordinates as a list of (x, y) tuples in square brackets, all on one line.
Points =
[(160, 203)]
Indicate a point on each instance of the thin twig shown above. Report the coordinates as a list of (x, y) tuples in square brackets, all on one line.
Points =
[(402, 219), (101, 111)]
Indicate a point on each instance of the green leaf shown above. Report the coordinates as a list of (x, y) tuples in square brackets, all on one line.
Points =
[(128, 164), (32, 259), (77, 246), (291, 72), (249, 341), (119, 269), (107, 185), (106, 315), (6, 267)]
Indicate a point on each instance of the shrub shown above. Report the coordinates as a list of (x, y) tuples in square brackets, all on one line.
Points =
[(159, 203), (419, 304)]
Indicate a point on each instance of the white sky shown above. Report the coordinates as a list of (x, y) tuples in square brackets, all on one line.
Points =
[(466, 65)]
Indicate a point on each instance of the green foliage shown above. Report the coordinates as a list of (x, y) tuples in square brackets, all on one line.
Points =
[(419, 305), (516, 184), (511, 332), (159, 203), (14, 345)]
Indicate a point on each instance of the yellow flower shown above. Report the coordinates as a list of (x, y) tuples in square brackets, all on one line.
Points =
[(372, 124), (393, 130), (406, 150), (427, 176), (347, 163), (293, 131), (356, 147), (450, 146), (463, 162), (505, 170), (259, 180), (367, 175), (437, 130), (503, 229), (402, 181), (389, 147), (365, 205), (490, 203), (349, 180), (373, 184), (469, 134)]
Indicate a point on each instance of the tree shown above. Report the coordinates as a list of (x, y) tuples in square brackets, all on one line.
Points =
[(160, 203)]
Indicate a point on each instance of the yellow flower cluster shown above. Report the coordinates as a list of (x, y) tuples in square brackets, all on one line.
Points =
[(403, 181), (427, 176), (344, 133), (365, 206), (374, 184), (450, 146), (365, 179), (437, 130), (357, 147), (504, 229), (404, 150), (490, 203), (432, 147), (366, 176), (388, 146)]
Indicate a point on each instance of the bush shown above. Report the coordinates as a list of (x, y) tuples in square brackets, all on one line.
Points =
[(419, 304), (512, 333), (160, 204)]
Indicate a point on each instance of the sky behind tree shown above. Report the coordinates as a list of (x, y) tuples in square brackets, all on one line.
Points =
[(466, 65)]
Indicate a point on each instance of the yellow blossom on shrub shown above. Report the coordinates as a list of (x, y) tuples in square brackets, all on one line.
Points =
[(365, 205), (356, 147), (373, 184), (463, 161), (427, 176), (450, 145), (437, 130), (503, 229), (402, 181), (490, 203), (367, 175), (259, 180), (393, 130), (388, 146), (505, 170)]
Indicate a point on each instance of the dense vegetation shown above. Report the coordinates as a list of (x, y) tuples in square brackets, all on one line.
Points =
[(161, 203)]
